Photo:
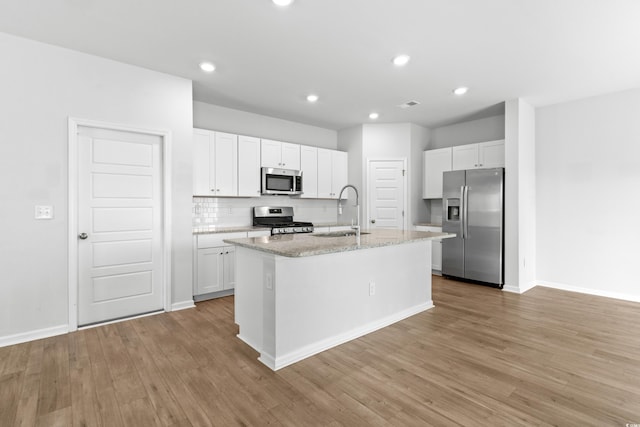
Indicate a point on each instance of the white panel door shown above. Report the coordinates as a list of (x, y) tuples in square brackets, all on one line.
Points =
[(386, 194), (248, 166), (119, 224)]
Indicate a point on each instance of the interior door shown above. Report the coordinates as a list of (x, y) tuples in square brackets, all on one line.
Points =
[(386, 194), (119, 224)]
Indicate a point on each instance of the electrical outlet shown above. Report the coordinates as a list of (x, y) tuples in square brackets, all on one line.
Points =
[(44, 212), (269, 281), (372, 288)]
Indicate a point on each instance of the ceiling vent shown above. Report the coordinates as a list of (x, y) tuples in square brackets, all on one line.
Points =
[(409, 104)]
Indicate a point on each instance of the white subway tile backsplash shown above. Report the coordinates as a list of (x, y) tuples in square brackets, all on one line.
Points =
[(209, 212)]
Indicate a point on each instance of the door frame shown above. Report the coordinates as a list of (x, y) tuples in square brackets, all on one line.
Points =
[(367, 180), (73, 180)]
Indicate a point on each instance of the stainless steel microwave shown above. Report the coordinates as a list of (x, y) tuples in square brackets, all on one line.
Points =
[(281, 181)]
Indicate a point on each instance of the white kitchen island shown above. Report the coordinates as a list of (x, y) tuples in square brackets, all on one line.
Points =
[(299, 294)]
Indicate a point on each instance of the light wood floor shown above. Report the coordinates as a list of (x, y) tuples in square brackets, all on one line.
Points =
[(482, 357)]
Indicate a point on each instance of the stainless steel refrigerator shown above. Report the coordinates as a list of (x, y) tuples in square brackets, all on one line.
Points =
[(473, 208)]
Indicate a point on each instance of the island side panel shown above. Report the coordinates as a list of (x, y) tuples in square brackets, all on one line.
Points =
[(324, 300), (248, 295)]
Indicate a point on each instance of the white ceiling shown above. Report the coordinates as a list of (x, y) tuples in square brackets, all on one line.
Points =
[(268, 58)]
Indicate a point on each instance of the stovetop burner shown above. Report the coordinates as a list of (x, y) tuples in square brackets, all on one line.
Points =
[(280, 219)]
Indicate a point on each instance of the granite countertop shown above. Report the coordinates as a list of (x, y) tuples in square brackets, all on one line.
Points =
[(231, 229), (427, 224), (302, 245), (331, 224)]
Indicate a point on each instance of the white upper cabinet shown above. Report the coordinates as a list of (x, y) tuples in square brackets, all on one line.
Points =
[(290, 156), (215, 157), (434, 163), (339, 171), (282, 155), (488, 154), (332, 172), (491, 154), (309, 168), (224, 176), (465, 157), (202, 144), (248, 166)]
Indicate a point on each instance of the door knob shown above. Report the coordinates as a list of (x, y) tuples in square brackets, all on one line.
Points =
[(83, 236), (373, 221)]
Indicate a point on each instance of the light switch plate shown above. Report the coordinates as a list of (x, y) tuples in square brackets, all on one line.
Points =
[(44, 212)]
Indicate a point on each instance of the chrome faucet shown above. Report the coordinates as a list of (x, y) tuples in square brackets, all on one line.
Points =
[(357, 226)]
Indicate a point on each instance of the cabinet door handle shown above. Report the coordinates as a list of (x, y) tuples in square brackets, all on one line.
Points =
[(83, 236)]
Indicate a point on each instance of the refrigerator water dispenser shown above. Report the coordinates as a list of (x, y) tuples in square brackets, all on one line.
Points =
[(453, 209)]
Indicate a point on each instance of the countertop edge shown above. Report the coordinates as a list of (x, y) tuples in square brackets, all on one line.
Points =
[(246, 243)]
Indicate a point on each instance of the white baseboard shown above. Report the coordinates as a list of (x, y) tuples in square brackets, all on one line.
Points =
[(589, 291), (521, 289), (250, 343), (182, 305), (276, 363), (33, 335)]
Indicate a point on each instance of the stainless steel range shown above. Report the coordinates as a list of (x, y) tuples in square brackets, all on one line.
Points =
[(280, 219)]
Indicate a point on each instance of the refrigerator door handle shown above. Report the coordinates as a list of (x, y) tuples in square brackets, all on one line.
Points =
[(462, 211), (465, 212)]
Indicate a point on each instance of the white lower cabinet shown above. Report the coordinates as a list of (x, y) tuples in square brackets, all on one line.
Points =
[(215, 263), (436, 248), (215, 269)]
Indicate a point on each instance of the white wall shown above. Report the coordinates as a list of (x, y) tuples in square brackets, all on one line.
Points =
[(214, 117), (418, 210), (520, 197), (387, 141), (480, 130), (41, 87), (588, 175), (350, 140)]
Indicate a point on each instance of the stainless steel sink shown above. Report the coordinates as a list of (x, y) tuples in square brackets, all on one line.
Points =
[(339, 233)]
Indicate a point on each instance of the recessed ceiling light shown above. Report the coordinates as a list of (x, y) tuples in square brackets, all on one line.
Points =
[(282, 2), (460, 91), (312, 98), (374, 116), (207, 67), (401, 60)]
